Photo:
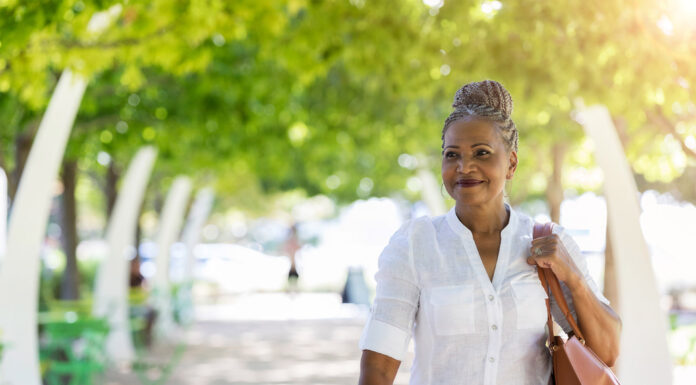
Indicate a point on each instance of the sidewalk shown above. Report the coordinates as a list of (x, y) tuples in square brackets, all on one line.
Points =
[(308, 339), (268, 339)]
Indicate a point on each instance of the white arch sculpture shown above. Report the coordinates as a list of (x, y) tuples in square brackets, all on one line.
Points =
[(644, 357), (3, 214), (430, 192), (111, 283), (27, 227), (169, 229), (191, 235)]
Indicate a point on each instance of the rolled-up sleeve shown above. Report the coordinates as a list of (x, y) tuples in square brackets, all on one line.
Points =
[(389, 326), (581, 262)]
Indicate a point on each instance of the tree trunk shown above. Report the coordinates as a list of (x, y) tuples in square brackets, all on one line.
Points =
[(138, 238), (554, 190), (22, 148), (158, 202), (3, 164), (70, 286), (611, 289), (610, 284), (112, 176)]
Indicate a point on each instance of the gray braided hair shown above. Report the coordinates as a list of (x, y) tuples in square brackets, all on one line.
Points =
[(486, 100)]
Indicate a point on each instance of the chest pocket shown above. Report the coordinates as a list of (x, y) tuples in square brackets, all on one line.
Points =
[(453, 309), (530, 303)]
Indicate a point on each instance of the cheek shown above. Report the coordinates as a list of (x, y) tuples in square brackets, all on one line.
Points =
[(446, 170)]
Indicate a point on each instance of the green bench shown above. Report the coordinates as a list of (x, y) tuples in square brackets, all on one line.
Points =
[(72, 348)]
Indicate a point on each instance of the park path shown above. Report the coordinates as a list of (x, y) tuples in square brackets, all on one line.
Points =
[(270, 338)]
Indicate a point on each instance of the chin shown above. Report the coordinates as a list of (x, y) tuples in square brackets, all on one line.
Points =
[(469, 200), (475, 199)]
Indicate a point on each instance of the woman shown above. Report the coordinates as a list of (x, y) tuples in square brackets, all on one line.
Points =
[(465, 283)]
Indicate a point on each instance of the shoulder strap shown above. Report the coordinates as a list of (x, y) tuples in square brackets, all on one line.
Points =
[(550, 281)]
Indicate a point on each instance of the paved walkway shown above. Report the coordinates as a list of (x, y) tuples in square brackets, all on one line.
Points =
[(274, 339), (267, 339)]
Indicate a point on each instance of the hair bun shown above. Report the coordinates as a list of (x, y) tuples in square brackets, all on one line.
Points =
[(485, 93)]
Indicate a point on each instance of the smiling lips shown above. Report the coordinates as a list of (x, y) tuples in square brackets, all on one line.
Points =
[(468, 182)]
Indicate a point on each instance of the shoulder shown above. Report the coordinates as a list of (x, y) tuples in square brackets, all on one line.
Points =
[(527, 223), (567, 240), (524, 221), (561, 231), (415, 226), (415, 230)]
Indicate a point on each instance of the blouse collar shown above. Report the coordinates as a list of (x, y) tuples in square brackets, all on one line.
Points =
[(460, 229)]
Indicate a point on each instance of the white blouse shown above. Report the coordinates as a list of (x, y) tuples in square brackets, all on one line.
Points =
[(467, 330)]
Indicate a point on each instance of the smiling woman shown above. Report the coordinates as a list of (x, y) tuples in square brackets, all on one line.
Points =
[(465, 284)]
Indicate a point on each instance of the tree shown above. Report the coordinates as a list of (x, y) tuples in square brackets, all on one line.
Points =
[(267, 96)]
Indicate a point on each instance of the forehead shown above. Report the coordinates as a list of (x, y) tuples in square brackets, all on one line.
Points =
[(468, 132)]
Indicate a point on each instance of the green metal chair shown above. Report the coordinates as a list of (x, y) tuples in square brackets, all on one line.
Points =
[(73, 349)]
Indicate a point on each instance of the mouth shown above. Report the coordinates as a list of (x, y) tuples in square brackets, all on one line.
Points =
[(468, 182)]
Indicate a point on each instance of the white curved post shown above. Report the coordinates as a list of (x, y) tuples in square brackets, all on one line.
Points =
[(169, 228), (430, 192), (19, 276), (3, 214), (644, 355), (111, 285), (191, 235)]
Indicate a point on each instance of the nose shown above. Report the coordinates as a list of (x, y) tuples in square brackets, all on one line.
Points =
[(464, 165)]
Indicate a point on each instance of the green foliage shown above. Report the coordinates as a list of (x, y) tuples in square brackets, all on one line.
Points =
[(266, 96), (50, 282)]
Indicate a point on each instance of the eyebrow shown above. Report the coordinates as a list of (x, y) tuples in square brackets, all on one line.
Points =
[(472, 146)]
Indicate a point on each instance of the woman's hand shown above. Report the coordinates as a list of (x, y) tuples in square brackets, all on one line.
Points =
[(549, 252), (601, 326)]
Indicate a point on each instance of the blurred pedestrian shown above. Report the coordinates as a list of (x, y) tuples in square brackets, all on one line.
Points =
[(141, 310), (291, 247)]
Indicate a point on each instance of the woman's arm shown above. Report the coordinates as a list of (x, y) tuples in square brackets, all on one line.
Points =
[(598, 322), (377, 369), (387, 332), (600, 325)]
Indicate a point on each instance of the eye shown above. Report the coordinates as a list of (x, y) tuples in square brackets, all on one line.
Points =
[(482, 152), (450, 154)]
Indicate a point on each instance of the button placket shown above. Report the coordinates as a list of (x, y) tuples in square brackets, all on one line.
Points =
[(495, 316)]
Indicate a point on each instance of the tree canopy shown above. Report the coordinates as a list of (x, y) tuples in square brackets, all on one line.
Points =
[(264, 96)]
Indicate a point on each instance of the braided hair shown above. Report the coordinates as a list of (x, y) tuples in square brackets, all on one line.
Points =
[(487, 100)]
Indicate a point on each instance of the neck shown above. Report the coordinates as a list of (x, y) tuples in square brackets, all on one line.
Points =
[(487, 219)]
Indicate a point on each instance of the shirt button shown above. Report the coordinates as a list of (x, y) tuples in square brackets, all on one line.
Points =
[(491, 359), (494, 327), (491, 298)]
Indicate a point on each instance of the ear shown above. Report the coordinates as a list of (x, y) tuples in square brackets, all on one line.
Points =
[(512, 165)]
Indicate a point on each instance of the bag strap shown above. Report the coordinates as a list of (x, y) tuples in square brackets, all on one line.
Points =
[(550, 281)]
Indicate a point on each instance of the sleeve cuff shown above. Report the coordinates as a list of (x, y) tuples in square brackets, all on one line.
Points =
[(384, 338)]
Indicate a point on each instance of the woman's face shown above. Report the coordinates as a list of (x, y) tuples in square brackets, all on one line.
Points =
[(476, 162)]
